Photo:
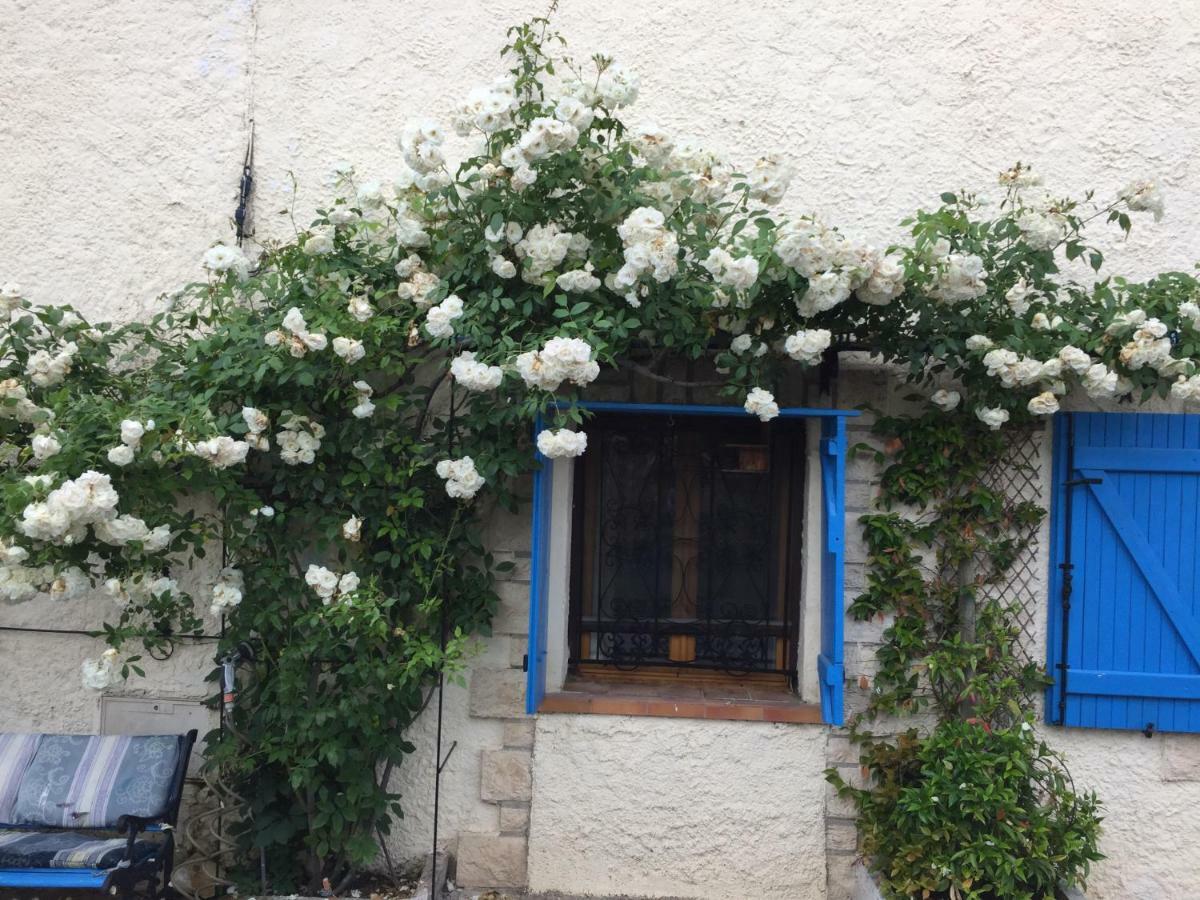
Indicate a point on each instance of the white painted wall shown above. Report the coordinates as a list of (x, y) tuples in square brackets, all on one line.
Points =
[(650, 807), (122, 128)]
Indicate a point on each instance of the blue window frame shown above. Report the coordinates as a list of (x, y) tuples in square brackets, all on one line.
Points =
[(830, 669), (1124, 629)]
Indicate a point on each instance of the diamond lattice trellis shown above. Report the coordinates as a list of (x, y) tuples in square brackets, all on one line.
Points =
[(1018, 473)]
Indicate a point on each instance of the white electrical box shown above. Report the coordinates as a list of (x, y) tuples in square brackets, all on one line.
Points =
[(158, 715)]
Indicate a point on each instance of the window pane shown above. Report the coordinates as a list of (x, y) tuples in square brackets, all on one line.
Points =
[(634, 554), (684, 556)]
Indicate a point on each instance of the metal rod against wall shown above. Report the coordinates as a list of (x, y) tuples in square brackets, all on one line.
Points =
[(438, 762)]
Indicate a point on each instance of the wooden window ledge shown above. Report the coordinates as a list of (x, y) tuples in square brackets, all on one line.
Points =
[(679, 701)]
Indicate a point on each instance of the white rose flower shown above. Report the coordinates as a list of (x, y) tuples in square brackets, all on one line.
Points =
[(1075, 359), (992, 417), (359, 308), (228, 590), (574, 112), (221, 258), (256, 420), (738, 273), (439, 319), (462, 480), (825, 291), (47, 369), (1019, 296), (522, 177), (157, 540), (561, 443), (946, 400), (579, 281), (504, 268), (323, 582), (961, 276), (1100, 382), (1126, 320), (116, 591), (98, 674), (44, 446), (1044, 404), (562, 359), (1042, 231), (121, 455), (808, 346), (349, 349), (352, 529), (884, 284), (319, 241), (616, 86), (121, 530), (1186, 389), (762, 403), (979, 342), (1144, 196), (219, 452), (769, 178), (294, 322), (474, 375), (132, 433)]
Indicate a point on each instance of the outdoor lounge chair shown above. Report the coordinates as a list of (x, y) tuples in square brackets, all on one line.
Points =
[(90, 812)]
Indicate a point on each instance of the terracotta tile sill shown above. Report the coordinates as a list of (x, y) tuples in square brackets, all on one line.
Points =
[(617, 700)]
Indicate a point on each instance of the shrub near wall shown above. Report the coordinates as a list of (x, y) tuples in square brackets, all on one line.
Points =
[(345, 397)]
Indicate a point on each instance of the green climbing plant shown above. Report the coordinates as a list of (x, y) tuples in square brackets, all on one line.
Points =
[(978, 806)]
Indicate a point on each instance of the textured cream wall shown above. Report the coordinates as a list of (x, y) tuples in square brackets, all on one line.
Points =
[(122, 128), (122, 125), (678, 808)]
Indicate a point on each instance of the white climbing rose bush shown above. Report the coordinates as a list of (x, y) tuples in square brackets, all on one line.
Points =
[(333, 411)]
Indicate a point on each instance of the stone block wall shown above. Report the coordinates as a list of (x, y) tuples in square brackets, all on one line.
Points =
[(496, 857)]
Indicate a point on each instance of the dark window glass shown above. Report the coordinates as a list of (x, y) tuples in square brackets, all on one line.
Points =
[(683, 552)]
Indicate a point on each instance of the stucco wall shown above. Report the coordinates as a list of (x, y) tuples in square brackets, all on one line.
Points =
[(122, 129), (678, 808)]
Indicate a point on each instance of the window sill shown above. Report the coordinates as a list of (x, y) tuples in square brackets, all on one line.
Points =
[(728, 702)]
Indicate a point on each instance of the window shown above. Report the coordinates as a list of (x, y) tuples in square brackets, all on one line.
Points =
[(1124, 636), (686, 546), (708, 580)]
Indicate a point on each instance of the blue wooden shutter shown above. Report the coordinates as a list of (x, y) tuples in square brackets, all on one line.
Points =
[(1124, 634), (830, 669), (535, 660)]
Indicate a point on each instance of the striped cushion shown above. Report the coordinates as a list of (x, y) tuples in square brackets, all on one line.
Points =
[(66, 850), (16, 751), (80, 781)]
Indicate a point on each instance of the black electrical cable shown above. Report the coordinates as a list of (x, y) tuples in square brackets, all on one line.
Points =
[(77, 631), (245, 186)]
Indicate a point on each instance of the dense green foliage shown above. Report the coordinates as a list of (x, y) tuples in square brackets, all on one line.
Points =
[(979, 808), (973, 813)]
